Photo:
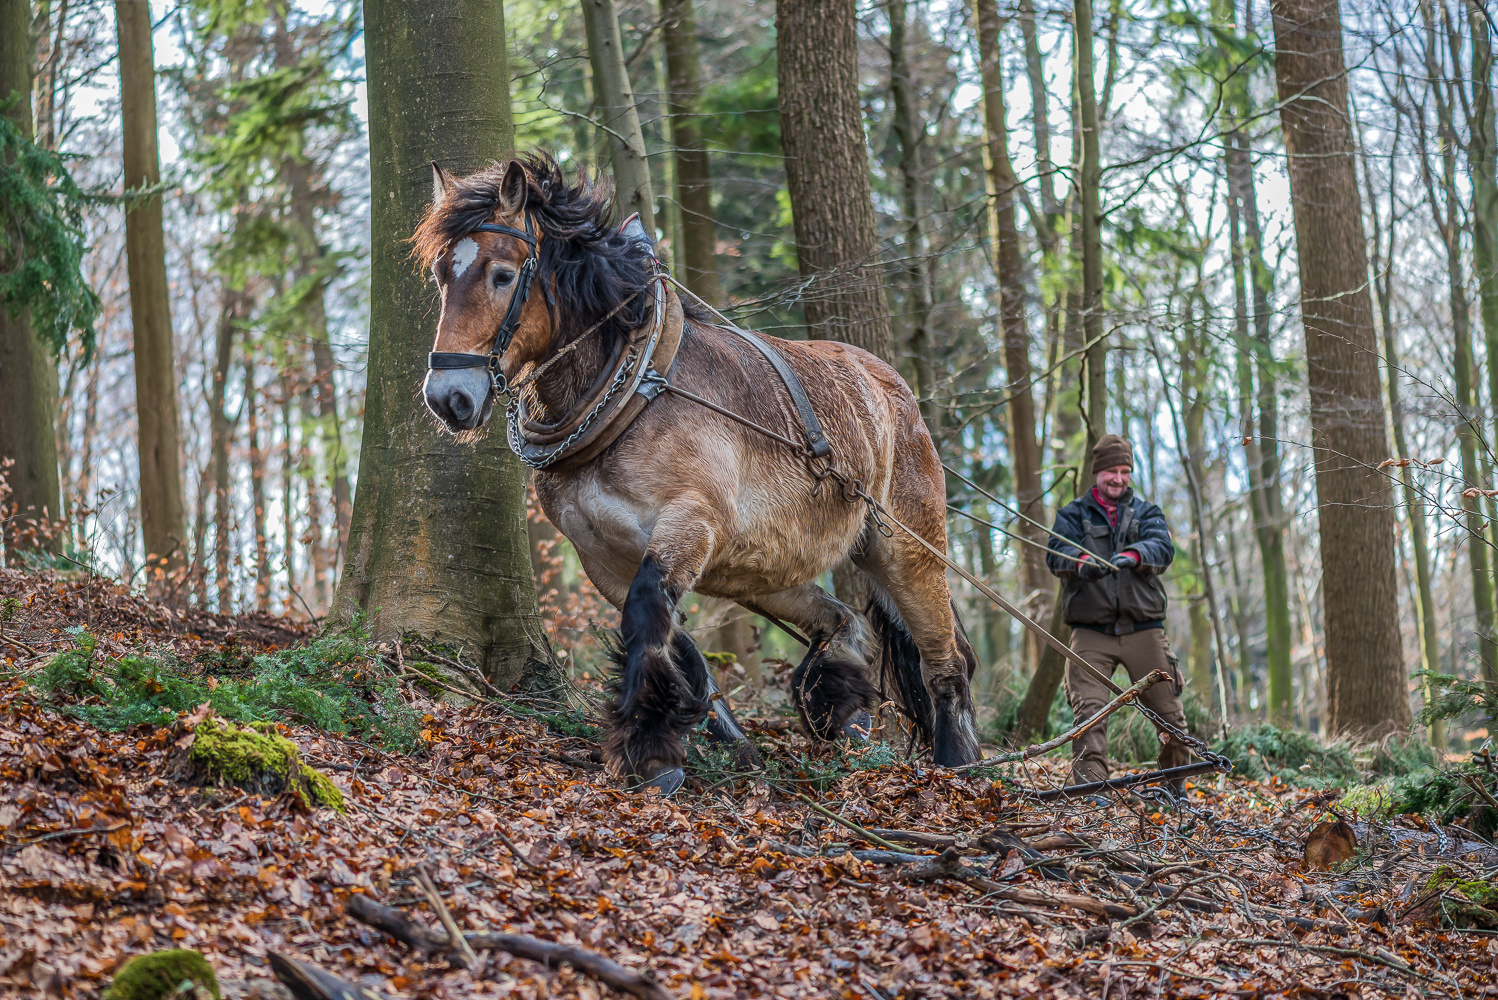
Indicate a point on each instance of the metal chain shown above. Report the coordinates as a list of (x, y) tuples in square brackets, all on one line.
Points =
[(512, 416)]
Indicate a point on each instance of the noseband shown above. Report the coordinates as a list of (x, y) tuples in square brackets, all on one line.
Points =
[(447, 360)]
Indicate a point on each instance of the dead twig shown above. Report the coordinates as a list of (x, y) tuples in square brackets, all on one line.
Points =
[(426, 940), (1134, 691), (868, 835), (950, 865), (457, 941)]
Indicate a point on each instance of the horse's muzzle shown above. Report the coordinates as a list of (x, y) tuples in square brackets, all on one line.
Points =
[(461, 398)]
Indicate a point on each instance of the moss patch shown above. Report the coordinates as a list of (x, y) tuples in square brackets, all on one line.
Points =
[(1464, 902), (161, 974), (255, 758)]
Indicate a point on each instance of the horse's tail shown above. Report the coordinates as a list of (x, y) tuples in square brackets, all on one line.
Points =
[(900, 667)]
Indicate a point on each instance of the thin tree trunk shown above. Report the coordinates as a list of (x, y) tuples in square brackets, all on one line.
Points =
[(257, 485), (28, 373), (1090, 182), (698, 249), (909, 130), (1414, 505), (827, 173), (1008, 262), (230, 315), (615, 101), (1482, 162), (288, 501), (162, 517), (437, 541), (1365, 670), (85, 485)]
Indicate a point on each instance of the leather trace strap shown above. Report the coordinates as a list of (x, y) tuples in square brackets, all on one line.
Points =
[(449, 360), (816, 440)]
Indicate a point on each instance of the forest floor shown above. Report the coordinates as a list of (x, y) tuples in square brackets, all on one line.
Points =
[(735, 887)]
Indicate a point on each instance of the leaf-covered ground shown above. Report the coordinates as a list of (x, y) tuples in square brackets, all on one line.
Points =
[(735, 888)]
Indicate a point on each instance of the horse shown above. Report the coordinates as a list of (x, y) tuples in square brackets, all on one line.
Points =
[(671, 491)]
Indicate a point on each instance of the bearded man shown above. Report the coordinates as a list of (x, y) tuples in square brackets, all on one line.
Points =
[(1114, 601)]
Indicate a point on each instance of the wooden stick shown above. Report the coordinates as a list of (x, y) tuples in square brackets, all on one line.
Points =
[(457, 942), (308, 982), (1076, 732), (426, 940), (950, 865), (936, 841), (868, 835)]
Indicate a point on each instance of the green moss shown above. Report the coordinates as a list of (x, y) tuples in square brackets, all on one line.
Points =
[(258, 759), (1464, 902), (161, 975)]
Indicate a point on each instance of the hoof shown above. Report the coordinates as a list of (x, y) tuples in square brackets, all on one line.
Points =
[(668, 781), (860, 727), (746, 758)]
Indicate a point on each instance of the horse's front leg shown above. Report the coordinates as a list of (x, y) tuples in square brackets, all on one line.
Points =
[(655, 701)]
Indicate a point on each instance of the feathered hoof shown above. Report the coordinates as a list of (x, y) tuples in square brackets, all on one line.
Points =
[(669, 782), (859, 728), (746, 758)]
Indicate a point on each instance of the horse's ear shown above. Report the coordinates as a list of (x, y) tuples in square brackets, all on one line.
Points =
[(442, 185), (513, 188)]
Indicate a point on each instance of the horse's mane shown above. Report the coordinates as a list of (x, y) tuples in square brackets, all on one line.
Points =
[(594, 267)]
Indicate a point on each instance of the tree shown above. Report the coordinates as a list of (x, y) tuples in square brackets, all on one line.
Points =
[(1366, 692), (28, 378), (437, 541), (615, 99), (827, 174), (1014, 332), (163, 520), (1089, 183), (697, 255)]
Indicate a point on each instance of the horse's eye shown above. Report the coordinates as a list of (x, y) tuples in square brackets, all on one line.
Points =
[(502, 277)]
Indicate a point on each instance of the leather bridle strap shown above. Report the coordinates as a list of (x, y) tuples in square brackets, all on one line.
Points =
[(449, 360)]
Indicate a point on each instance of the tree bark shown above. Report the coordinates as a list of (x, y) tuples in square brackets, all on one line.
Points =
[(827, 173), (697, 254), (163, 523), (615, 102), (1089, 182), (1366, 682), (257, 485), (28, 374), (437, 541), (1008, 263), (911, 134), (231, 314)]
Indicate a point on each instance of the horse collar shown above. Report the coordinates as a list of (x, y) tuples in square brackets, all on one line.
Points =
[(440, 360)]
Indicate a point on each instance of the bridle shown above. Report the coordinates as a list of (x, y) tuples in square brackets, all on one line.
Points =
[(449, 360)]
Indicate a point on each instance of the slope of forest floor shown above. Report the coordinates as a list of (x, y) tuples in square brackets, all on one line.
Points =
[(735, 888)]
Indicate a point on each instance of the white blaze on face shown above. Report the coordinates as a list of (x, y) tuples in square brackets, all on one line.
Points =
[(464, 254)]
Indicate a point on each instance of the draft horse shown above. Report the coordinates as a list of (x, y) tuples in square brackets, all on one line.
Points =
[(662, 495)]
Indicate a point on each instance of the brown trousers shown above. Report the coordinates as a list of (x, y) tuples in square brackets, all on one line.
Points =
[(1138, 653)]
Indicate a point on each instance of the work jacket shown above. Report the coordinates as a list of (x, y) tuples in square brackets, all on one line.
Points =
[(1122, 602)]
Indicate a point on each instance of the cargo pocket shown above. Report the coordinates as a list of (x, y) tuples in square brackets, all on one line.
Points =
[(1177, 679)]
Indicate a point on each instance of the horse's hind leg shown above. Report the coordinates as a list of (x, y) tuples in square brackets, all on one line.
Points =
[(911, 589), (831, 688)]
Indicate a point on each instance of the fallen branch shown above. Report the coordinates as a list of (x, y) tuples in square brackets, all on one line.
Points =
[(1076, 732), (428, 941), (951, 865), (458, 943), (1127, 781), (935, 841), (308, 982), (868, 835)]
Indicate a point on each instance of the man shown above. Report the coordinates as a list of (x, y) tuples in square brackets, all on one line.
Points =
[(1114, 602)]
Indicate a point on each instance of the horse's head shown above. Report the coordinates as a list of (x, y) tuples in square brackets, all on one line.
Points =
[(524, 261), (483, 248)]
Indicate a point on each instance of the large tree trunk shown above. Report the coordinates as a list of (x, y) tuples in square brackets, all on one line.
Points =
[(163, 523), (28, 376), (1089, 182), (827, 173), (615, 101), (437, 542), (1366, 682), (1008, 263), (917, 279), (697, 256)]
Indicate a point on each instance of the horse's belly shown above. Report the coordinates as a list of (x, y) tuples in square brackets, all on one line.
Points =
[(781, 548)]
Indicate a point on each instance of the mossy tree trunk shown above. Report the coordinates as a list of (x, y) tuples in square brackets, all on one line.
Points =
[(437, 540), (28, 377)]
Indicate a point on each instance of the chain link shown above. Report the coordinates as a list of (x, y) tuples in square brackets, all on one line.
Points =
[(512, 416)]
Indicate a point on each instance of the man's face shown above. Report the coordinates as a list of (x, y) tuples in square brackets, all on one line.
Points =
[(1111, 483)]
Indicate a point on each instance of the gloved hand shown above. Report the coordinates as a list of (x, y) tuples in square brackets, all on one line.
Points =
[(1091, 570), (1127, 560)]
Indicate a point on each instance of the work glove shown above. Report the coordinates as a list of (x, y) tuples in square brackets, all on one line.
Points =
[(1091, 570), (1127, 560)]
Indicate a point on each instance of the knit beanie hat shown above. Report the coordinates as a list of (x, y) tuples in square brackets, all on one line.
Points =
[(1112, 450)]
